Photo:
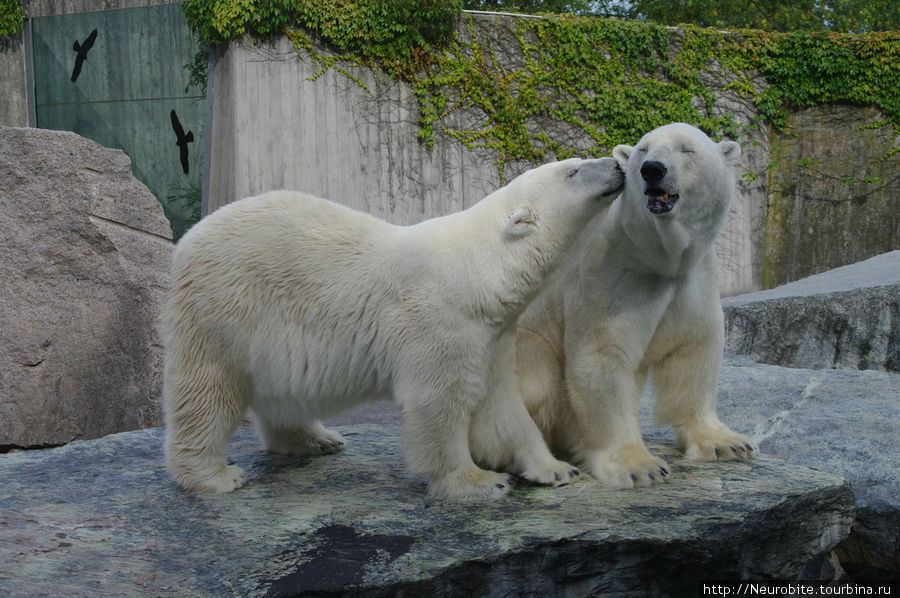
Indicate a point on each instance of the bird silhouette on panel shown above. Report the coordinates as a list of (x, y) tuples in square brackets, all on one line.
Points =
[(182, 140), (82, 52)]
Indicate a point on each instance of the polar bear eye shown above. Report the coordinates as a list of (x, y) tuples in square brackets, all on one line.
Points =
[(572, 172), (643, 149), (687, 149)]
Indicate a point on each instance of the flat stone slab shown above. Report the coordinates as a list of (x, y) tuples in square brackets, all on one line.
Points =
[(103, 518), (877, 271), (845, 422), (848, 317)]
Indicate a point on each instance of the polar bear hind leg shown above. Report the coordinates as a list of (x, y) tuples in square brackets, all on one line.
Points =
[(203, 409)]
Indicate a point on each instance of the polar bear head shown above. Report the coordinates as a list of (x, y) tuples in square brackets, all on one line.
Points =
[(523, 230), (551, 201), (677, 168)]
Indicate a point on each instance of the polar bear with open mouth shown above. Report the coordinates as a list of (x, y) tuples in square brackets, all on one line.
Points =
[(640, 299)]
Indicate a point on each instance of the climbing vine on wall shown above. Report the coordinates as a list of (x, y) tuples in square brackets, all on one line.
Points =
[(389, 34), (611, 79), (12, 17), (807, 69)]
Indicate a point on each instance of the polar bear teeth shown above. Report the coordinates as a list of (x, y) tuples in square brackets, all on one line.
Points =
[(659, 201)]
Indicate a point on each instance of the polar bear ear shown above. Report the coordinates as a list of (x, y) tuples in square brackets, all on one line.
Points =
[(621, 153), (521, 222), (731, 151)]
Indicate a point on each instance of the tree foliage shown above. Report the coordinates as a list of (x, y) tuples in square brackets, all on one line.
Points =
[(380, 30), (856, 16), (532, 6)]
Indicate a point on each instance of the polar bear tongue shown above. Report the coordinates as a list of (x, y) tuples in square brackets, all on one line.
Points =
[(660, 202)]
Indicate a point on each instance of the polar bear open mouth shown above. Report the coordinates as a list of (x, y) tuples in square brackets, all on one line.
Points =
[(659, 201)]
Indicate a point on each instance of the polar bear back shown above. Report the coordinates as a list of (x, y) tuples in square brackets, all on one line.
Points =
[(275, 280)]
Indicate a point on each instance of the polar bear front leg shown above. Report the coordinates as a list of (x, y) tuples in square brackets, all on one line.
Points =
[(604, 395), (504, 436), (685, 387), (436, 427)]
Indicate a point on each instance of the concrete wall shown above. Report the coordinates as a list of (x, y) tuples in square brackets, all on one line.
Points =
[(13, 94), (832, 196), (273, 127), (276, 124)]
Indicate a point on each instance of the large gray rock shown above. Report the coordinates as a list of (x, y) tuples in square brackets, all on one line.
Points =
[(102, 518), (84, 258), (838, 420), (848, 317), (841, 421)]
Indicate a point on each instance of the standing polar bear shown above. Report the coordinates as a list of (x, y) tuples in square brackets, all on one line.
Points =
[(297, 308), (639, 297)]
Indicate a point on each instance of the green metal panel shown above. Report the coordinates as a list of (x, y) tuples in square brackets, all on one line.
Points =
[(125, 90)]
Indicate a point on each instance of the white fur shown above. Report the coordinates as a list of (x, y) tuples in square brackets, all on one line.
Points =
[(639, 298), (297, 308)]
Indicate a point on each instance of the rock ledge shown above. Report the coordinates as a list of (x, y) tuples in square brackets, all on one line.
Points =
[(104, 516), (845, 318)]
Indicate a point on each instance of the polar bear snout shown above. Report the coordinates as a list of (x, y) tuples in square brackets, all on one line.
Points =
[(653, 171), (660, 199), (606, 175)]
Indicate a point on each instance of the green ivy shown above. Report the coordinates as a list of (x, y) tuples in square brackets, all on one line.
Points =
[(612, 79), (393, 35), (807, 69), (12, 17)]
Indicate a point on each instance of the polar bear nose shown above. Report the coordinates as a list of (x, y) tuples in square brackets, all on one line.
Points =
[(652, 171)]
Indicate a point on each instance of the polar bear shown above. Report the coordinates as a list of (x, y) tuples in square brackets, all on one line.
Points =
[(297, 308), (639, 296)]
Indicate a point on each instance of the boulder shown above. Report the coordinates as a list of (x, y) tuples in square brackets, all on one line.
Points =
[(822, 413), (839, 421), (103, 518), (848, 317), (84, 258)]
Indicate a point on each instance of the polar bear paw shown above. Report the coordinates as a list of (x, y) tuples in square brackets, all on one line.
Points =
[(555, 473), (307, 441), (223, 479), (471, 484), (716, 442), (325, 441), (627, 466)]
